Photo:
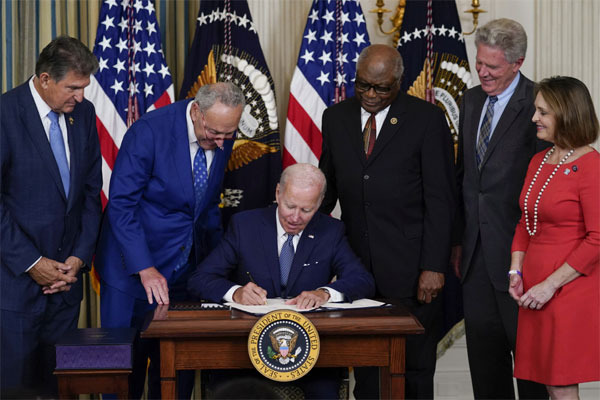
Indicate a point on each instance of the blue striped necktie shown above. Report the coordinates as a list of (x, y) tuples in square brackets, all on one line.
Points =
[(485, 132), (286, 256), (58, 148)]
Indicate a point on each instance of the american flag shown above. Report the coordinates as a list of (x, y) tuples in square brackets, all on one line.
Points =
[(334, 36), (133, 77), (436, 67), (226, 48)]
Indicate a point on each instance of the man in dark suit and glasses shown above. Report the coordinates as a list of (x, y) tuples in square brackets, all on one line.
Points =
[(388, 159), (50, 209), (496, 141)]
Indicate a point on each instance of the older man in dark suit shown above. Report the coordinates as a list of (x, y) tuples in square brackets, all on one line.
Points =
[(50, 209), (496, 141), (291, 250), (388, 158)]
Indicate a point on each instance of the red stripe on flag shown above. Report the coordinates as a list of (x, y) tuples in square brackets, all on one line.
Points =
[(305, 126), (163, 100), (287, 159), (108, 148)]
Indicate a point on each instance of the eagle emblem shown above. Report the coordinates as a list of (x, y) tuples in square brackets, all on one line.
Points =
[(284, 342)]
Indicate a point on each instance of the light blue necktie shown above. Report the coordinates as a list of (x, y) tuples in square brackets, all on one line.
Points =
[(200, 176), (485, 132), (58, 148), (285, 259)]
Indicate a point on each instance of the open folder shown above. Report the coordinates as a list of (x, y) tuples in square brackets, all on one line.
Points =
[(279, 304)]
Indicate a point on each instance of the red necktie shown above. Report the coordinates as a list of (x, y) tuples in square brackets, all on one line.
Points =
[(369, 135)]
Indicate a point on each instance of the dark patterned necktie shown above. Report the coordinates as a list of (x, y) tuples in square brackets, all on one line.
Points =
[(369, 135), (286, 256), (485, 131), (200, 176)]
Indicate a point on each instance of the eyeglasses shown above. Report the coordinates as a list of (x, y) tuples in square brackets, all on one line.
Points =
[(213, 134), (365, 87)]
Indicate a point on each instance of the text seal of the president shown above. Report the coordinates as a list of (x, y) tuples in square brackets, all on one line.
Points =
[(283, 345)]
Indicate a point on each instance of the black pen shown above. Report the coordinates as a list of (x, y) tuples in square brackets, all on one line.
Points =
[(252, 280)]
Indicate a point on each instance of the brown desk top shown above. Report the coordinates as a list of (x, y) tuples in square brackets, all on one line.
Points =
[(215, 323)]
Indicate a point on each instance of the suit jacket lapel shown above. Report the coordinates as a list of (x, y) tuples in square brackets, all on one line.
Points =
[(75, 154), (388, 130), (35, 129), (305, 248), (513, 108), (214, 175), (470, 130), (181, 157), (269, 240), (353, 128)]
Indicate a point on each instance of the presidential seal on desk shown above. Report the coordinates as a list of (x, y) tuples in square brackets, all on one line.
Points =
[(283, 345)]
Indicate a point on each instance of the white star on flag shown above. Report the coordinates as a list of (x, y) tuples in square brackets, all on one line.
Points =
[(119, 76)]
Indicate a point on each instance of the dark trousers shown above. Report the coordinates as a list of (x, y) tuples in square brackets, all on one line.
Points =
[(119, 309), (421, 353), (491, 331), (28, 355)]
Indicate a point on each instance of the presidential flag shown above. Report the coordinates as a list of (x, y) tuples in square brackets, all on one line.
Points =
[(131, 80), (334, 36), (436, 67), (133, 77), (437, 70), (226, 48)]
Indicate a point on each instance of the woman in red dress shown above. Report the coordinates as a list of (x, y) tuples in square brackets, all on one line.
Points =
[(555, 264)]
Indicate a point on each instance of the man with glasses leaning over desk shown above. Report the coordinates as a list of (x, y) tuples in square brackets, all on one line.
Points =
[(163, 214)]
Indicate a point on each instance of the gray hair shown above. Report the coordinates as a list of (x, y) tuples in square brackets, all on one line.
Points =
[(225, 93), (304, 175), (398, 67), (505, 34), (65, 54)]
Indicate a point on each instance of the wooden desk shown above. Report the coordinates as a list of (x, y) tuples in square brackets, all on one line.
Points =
[(73, 382), (217, 339)]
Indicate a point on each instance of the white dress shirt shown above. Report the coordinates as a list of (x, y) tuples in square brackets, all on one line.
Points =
[(379, 119), (210, 154)]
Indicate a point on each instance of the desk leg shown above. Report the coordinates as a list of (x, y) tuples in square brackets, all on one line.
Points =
[(167, 369), (392, 377)]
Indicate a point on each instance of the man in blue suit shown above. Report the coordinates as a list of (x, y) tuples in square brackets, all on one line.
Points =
[(259, 241), (163, 212), (50, 211)]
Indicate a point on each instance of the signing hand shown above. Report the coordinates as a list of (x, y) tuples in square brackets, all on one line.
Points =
[(538, 295), (47, 272), (155, 285), (250, 294), (309, 299), (430, 285), (516, 287)]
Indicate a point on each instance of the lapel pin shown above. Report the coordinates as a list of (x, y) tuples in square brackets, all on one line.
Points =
[(311, 236), (71, 121), (394, 121), (574, 168), (567, 171)]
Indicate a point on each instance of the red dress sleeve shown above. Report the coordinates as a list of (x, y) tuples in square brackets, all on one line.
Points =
[(586, 256)]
